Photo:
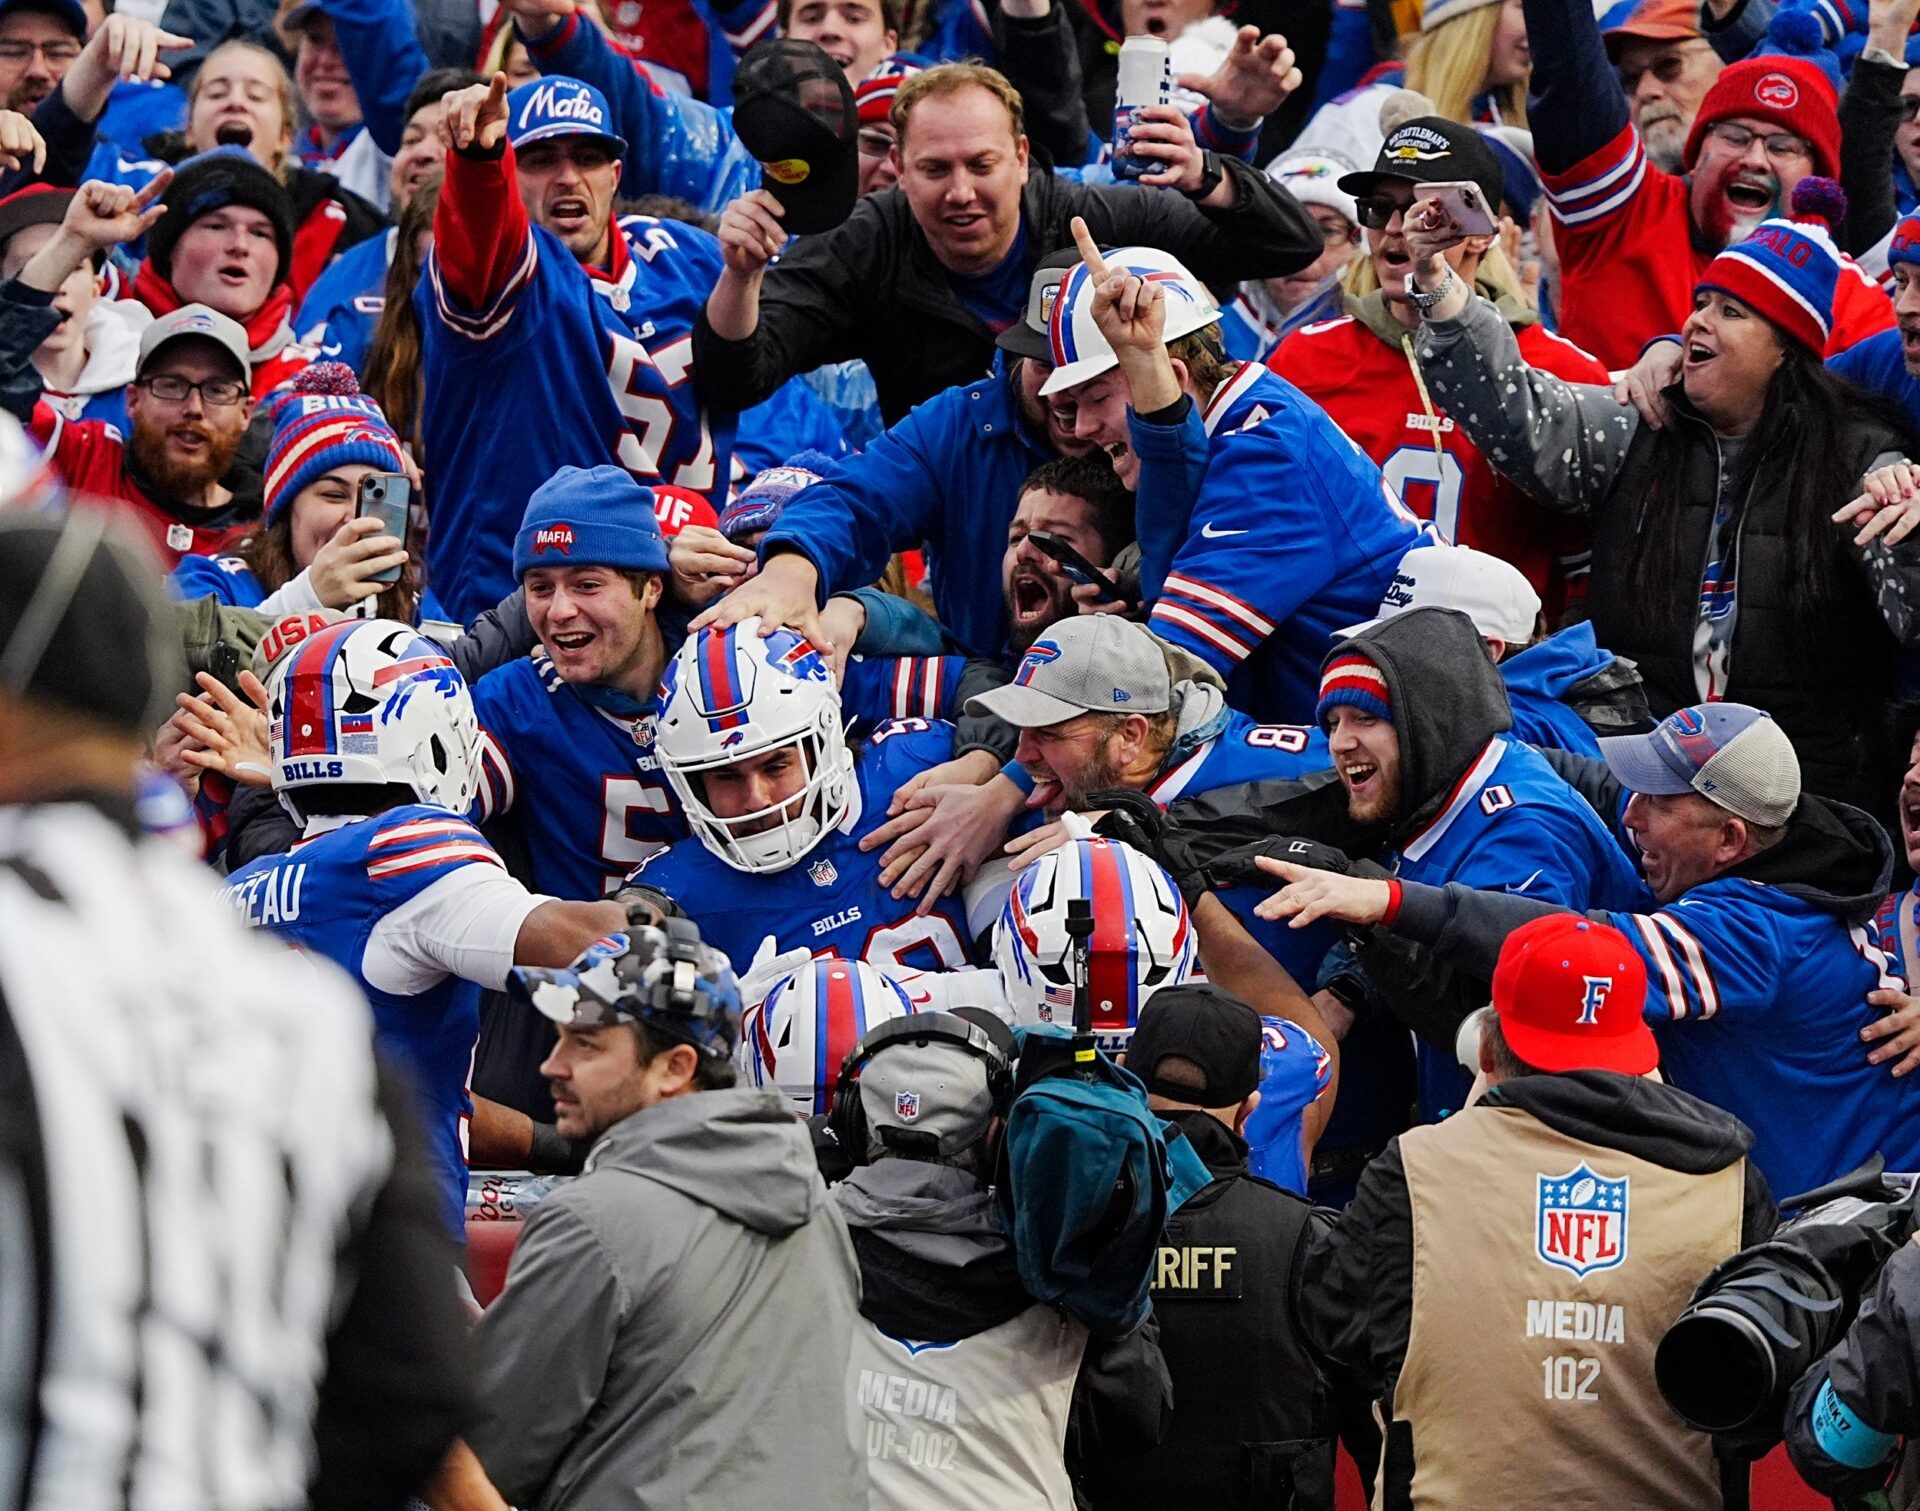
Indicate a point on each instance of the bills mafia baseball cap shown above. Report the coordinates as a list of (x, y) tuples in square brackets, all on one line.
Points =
[(195, 322), (559, 106), (1493, 593), (1569, 993), (794, 110), (1429, 149), (1093, 663), (1217, 1033), (1732, 755)]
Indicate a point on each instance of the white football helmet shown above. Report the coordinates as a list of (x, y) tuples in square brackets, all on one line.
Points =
[(809, 1024), (1142, 937), (374, 702), (1080, 352), (730, 695)]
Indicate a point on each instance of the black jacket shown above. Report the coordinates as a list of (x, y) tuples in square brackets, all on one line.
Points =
[(1356, 1302), (872, 288)]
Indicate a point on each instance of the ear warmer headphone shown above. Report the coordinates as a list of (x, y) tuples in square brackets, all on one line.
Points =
[(847, 1118)]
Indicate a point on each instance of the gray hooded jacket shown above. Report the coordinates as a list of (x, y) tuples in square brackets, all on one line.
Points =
[(675, 1324)]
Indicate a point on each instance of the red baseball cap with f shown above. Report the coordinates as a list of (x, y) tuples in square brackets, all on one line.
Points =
[(1569, 993)]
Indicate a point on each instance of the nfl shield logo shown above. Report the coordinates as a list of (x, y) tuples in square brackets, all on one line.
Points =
[(1583, 1221), (906, 1105), (823, 873)]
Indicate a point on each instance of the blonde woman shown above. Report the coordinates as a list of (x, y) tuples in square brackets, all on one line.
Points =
[(1471, 60)]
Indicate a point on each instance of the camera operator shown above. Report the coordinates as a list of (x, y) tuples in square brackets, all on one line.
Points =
[(1847, 1414), (962, 1387), (1502, 1279)]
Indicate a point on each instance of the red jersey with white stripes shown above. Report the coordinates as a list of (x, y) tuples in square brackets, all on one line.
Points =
[(1371, 391), (1629, 258)]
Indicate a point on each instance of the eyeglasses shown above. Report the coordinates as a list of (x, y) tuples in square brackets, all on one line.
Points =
[(220, 393), (1667, 68), (1338, 235), (874, 143), (1909, 106), (1779, 144), (58, 53), (1375, 213)]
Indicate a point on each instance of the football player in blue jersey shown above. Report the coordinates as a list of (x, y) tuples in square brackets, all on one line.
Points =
[(539, 310), (373, 753), (751, 739), (1299, 535)]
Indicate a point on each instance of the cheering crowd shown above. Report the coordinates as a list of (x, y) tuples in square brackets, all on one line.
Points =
[(1119, 802)]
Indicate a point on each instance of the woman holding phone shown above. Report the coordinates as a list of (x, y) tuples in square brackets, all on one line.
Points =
[(1719, 567), (315, 547)]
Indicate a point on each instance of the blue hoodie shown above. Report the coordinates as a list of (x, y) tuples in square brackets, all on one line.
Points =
[(1540, 677)]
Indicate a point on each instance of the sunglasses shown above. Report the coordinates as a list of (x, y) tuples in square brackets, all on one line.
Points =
[(1375, 213)]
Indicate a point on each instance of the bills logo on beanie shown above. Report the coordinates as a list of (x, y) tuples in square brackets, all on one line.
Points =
[(1786, 272), (1791, 93), (873, 96), (1352, 679), (321, 423), (1905, 245)]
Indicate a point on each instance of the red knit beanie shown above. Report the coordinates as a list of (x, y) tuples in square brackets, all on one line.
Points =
[(1791, 93)]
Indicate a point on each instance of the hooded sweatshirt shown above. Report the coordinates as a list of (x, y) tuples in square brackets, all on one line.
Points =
[(1566, 692), (669, 1320), (960, 1384), (1477, 807)]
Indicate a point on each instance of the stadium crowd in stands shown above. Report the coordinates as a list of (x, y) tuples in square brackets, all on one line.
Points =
[(1058, 791)]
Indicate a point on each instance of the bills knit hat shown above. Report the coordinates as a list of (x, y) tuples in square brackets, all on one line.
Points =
[(758, 505), (590, 516), (213, 181), (1905, 245), (322, 423), (873, 95), (1791, 93), (1438, 13), (1352, 679), (1787, 271)]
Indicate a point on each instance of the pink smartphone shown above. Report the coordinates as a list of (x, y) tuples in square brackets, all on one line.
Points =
[(1464, 202)]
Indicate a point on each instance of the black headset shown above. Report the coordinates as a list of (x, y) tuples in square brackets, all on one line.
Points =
[(977, 1036)]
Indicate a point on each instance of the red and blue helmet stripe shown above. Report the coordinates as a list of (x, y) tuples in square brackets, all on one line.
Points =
[(723, 693), (308, 728), (1113, 978), (840, 1008)]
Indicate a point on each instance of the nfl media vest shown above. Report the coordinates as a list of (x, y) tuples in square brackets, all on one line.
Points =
[(1545, 1271)]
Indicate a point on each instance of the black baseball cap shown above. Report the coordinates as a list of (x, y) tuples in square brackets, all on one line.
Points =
[(1027, 336), (1204, 1025), (1430, 149), (35, 205), (794, 110)]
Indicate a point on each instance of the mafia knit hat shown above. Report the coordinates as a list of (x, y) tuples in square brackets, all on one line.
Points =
[(213, 181), (1787, 270), (590, 516), (873, 96), (321, 423), (1793, 94)]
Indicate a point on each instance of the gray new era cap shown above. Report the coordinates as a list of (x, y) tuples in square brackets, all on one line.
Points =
[(198, 321), (926, 1086), (1732, 755), (1093, 663)]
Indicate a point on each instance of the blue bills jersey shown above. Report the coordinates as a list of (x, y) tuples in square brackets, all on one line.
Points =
[(1293, 535), (1295, 1072), (327, 894), (1248, 752), (1510, 824), (531, 362), (831, 901), (592, 801)]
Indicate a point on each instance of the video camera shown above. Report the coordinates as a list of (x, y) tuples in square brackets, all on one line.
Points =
[(1762, 1317)]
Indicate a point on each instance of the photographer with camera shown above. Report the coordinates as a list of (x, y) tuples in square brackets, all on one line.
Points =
[(1847, 1414), (1502, 1279)]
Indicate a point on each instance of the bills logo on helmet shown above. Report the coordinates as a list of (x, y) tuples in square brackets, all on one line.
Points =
[(1582, 1225), (553, 538), (802, 661), (906, 1105)]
